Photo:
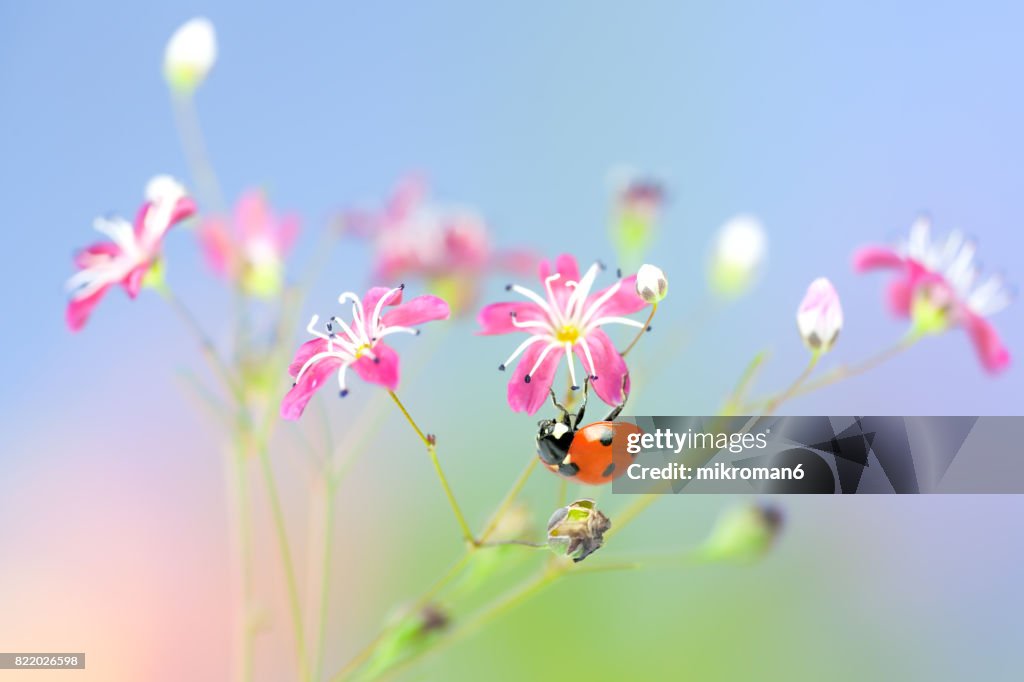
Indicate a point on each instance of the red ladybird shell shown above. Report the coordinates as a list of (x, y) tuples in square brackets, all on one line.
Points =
[(598, 452)]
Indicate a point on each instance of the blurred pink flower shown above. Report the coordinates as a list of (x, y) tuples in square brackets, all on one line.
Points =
[(250, 248), (358, 345), (942, 277), (131, 253), (637, 207), (448, 246), (566, 320)]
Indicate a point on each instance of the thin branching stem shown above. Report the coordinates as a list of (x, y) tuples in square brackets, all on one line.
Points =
[(431, 445)]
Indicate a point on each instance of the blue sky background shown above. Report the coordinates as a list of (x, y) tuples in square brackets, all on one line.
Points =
[(835, 123)]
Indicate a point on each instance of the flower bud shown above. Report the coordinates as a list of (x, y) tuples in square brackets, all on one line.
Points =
[(164, 188), (190, 54), (743, 534), (577, 530), (651, 284), (739, 251), (820, 316)]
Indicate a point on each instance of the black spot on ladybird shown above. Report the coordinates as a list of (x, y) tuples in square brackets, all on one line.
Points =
[(569, 469), (609, 470), (606, 437)]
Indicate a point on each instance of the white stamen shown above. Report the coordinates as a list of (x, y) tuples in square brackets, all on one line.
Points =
[(602, 299), (536, 298), (355, 339), (523, 346), (345, 358), (580, 292), (531, 324), (572, 365), (375, 320), (396, 330), (551, 296), (617, 320), (590, 358), (543, 354), (917, 247), (357, 307)]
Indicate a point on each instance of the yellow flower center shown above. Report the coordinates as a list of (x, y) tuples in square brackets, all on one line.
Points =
[(568, 334)]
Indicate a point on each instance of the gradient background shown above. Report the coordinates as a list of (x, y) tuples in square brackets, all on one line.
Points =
[(836, 125)]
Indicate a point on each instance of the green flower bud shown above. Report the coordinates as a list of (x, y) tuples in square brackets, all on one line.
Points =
[(577, 530), (743, 535)]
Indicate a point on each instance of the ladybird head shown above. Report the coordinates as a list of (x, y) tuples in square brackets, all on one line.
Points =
[(553, 440)]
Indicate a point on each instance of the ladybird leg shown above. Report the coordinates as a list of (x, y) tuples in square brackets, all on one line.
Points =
[(558, 405), (618, 408), (583, 404)]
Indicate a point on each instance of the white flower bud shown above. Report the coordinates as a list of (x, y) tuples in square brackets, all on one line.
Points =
[(651, 283), (739, 251), (820, 316), (164, 188), (190, 54)]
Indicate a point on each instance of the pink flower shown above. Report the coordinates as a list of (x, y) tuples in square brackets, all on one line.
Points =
[(358, 344), (942, 278), (449, 246), (251, 247), (131, 252), (566, 320)]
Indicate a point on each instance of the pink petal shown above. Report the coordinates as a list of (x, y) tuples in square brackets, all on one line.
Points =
[(140, 218), (625, 301), (78, 310), (517, 261), (305, 352), (609, 367), (101, 251), (252, 215), (298, 397), (408, 195), (497, 317), (900, 295), (133, 281), (993, 354), (528, 397), (417, 311), (216, 244), (383, 372), (565, 265), (185, 208), (287, 232), (374, 295), (874, 257)]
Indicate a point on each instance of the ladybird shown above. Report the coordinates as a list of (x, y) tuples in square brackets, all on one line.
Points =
[(592, 454)]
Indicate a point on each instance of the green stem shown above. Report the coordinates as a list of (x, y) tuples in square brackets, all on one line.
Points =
[(367, 652), (245, 533), (431, 446), (325, 574), (286, 561), (509, 498), (774, 403), (186, 119), (509, 600), (847, 371), (206, 346)]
